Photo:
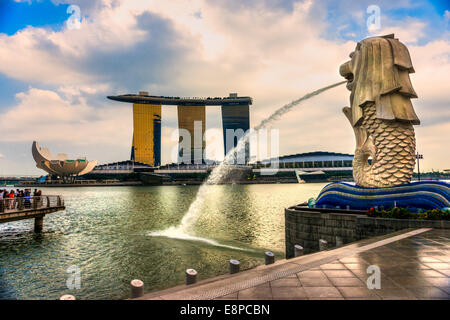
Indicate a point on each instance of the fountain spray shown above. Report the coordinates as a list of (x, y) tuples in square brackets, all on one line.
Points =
[(221, 171)]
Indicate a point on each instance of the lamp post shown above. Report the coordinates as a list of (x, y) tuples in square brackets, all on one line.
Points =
[(418, 157)]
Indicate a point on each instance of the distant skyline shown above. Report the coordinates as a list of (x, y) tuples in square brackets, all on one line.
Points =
[(55, 75)]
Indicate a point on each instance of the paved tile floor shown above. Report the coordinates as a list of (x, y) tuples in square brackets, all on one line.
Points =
[(414, 267)]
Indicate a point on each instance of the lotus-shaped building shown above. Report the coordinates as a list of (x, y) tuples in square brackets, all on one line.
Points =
[(60, 166)]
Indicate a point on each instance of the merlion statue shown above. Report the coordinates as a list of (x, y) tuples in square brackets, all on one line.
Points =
[(382, 117), (381, 112)]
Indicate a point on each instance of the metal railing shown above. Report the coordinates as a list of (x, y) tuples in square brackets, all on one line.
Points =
[(8, 205)]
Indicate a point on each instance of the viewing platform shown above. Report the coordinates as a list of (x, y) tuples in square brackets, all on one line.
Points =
[(413, 265), (30, 208), (144, 98)]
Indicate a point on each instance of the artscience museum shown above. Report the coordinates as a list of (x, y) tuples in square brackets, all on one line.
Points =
[(60, 165)]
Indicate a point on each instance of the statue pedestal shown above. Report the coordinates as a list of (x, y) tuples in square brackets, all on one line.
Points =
[(421, 195)]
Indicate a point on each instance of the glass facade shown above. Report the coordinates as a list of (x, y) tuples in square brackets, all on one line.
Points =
[(146, 147), (235, 117), (187, 116)]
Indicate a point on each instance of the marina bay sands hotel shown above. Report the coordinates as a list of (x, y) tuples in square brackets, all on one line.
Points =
[(146, 145)]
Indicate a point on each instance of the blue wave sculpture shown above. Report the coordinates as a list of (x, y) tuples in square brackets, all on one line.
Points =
[(420, 195)]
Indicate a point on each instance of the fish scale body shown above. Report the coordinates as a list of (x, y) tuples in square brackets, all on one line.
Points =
[(394, 158)]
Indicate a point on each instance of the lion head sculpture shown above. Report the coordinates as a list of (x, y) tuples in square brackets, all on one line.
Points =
[(378, 72)]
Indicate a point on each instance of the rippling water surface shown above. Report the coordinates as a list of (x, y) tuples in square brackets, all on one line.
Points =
[(108, 232)]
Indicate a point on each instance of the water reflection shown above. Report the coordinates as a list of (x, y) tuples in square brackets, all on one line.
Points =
[(105, 232)]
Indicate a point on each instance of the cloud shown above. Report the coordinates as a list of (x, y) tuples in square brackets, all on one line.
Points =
[(46, 116), (433, 144), (432, 66), (272, 51), (410, 31)]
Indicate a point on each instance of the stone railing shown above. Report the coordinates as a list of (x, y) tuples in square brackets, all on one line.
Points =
[(306, 227)]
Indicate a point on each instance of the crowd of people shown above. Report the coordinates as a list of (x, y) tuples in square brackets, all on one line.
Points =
[(18, 199)]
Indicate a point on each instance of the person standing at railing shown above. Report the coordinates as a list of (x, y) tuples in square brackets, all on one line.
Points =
[(27, 198), (11, 199), (20, 202), (39, 194), (6, 199), (16, 198), (37, 197), (2, 208)]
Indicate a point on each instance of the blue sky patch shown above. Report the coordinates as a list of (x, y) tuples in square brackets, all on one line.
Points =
[(8, 90), (15, 16), (351, 23)]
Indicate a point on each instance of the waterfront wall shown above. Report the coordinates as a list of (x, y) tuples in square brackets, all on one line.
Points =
[(306, 226)]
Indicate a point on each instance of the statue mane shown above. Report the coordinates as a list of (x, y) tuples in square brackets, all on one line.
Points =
[(380, 68)]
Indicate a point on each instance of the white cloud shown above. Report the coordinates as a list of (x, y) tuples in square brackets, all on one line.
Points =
[(44, 115), (410, 31), (433, 144)]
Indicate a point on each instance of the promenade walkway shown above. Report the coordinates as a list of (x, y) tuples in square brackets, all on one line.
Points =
[(414, 264)]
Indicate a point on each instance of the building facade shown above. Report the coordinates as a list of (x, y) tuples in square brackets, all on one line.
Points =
[(193, 120), (235, 124), (146, 145), (312, 161)]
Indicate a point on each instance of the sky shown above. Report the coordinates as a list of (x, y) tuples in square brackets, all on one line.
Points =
[(58, 64)]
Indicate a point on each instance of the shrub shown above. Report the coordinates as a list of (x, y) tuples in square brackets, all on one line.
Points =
[(373, 212), (405, 213), (437, 214)]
